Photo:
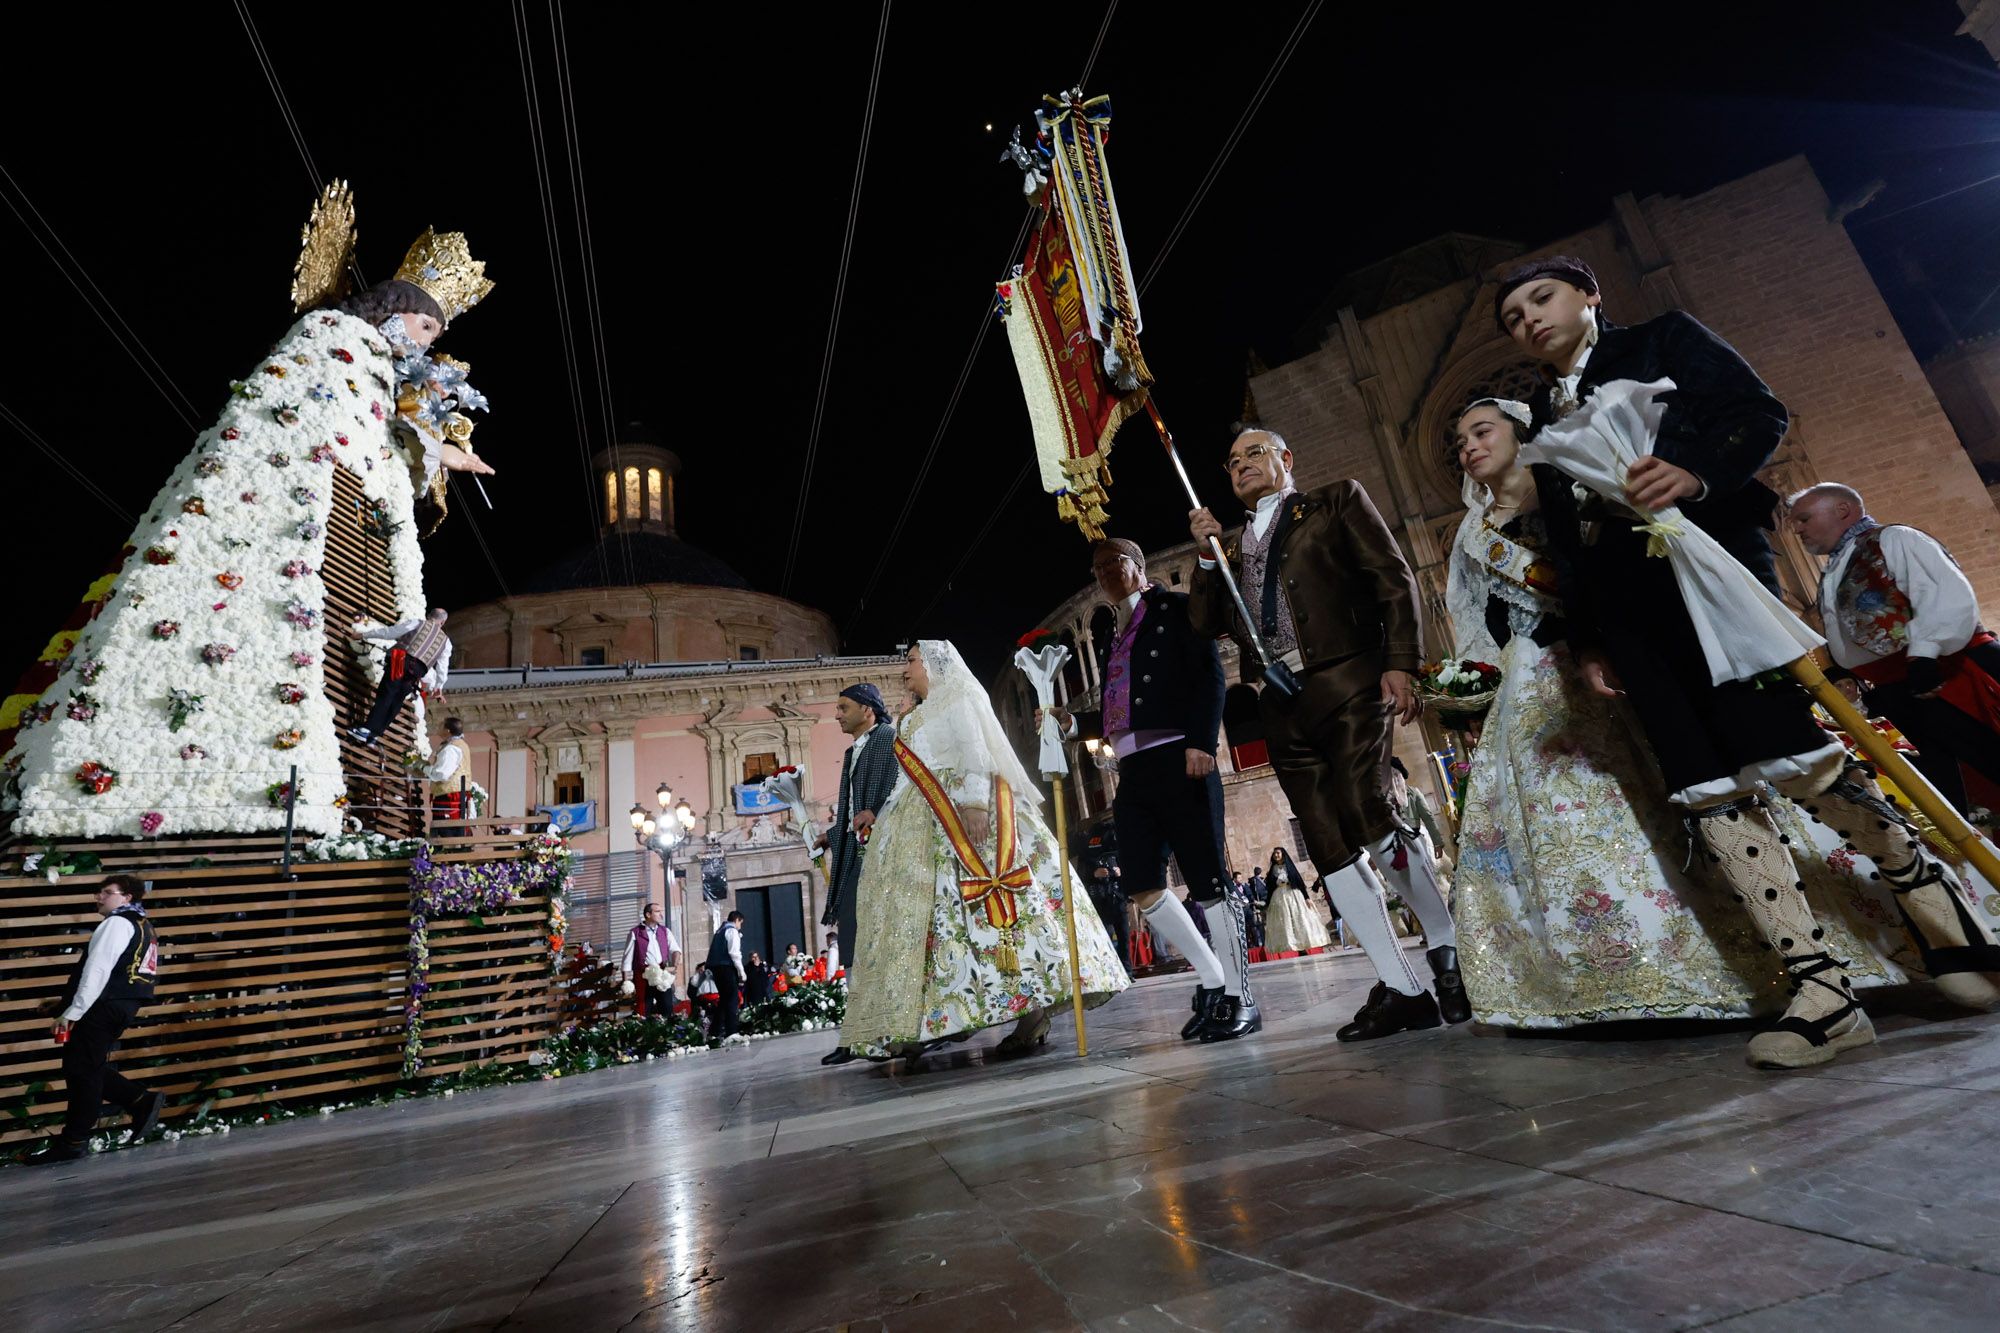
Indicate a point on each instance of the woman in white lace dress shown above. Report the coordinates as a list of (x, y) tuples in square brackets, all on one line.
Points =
[(961, 923), (1572, 903), (1290, 923)]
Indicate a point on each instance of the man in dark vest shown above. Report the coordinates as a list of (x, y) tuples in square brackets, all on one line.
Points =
[(650, 942), (1161, 715), (1337, 604), (1634, 639), (725, 965), (1901, 615), (868, 774), (112, 978), (420, 654)]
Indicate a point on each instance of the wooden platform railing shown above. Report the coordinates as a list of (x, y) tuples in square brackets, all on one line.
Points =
[(273, 988)]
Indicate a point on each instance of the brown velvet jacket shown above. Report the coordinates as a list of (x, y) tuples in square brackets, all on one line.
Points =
[(1354, 601)]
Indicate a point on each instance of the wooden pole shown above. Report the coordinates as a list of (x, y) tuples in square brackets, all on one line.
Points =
[(1879, 751), (1069, 914)]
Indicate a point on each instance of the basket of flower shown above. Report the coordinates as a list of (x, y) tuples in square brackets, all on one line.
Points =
[(1459, 691)]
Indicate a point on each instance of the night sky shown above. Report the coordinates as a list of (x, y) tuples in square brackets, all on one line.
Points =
[(715, 166)]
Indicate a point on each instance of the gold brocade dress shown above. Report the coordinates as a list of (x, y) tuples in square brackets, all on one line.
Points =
[(926, 964), (1573, 904)]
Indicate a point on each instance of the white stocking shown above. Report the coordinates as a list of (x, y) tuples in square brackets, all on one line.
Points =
[(1357, 895), (1171, 922), (1417, 883)]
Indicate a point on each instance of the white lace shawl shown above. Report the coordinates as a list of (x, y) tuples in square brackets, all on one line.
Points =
[(955, 732), (1468, 583)]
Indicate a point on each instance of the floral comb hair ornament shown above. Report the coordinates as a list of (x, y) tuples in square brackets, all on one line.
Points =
[(441, 265)]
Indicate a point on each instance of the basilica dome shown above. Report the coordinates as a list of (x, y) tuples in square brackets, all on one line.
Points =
[(638, 593)]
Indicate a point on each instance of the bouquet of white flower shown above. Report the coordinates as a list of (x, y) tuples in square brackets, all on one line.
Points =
[(784, 784)]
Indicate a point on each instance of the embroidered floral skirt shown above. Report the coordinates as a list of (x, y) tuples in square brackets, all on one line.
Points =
[(927, 966), (1572, 903)]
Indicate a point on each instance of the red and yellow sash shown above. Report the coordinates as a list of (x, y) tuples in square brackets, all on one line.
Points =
[(990, 889)]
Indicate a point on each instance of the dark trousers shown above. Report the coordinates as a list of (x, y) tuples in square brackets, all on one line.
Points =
[(389, 698), (1944, 736), (845, 923), (1330, 747), (87, 1070), (728, 1000), (1111, 908), (658, 1003), (1160, 808)]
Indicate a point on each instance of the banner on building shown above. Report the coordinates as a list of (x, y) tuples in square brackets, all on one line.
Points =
[(751, 799), (714, 877), (575, 817)]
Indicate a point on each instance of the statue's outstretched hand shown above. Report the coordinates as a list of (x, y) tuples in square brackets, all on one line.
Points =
[(460, 460)]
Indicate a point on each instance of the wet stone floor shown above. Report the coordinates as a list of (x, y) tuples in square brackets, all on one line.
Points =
[(1438, 1181)]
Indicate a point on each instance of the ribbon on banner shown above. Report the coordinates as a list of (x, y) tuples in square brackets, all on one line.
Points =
[(991, 890)]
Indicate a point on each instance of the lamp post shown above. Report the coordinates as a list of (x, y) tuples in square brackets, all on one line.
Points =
[(661, 836)]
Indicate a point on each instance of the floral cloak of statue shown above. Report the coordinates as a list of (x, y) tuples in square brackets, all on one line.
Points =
[(185, 702)]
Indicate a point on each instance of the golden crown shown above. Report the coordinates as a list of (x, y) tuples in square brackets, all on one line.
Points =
[(443, 267)]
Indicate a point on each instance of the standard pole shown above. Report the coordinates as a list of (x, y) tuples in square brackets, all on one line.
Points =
[(1949, 822), (1275, 673), (1069, 915)]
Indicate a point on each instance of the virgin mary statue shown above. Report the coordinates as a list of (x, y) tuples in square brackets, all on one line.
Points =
[(961, 923), (202, 689)]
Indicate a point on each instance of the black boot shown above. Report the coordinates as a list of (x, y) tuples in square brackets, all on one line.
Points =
[(1235, 1016), (1205, 998), (1452, 1001), (839, 1055), (147, 1114), (1389, 1012)]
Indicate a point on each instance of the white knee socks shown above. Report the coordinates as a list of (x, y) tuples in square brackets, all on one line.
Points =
[(1417, 883), (1171, 922), (1357, 895)]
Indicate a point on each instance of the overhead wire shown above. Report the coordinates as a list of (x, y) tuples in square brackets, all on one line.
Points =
[(964, 374), (592, 306), (76, 473), (978, 539), (270, 72), (1250, 109), (839, 295), (133, 345), (937, 437), (269, 68), (538, 145)]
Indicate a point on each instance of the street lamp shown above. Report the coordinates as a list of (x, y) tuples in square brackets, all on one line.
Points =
[(661, 836)]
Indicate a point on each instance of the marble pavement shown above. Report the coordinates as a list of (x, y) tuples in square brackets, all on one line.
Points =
[(1452, 1181)]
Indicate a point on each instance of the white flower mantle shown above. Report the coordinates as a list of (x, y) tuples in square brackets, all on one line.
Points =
[(253, 496)]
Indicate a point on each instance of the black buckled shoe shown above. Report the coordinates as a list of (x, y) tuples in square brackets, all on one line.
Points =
[(1204, 1008), (147, 1114), (1454, 1005), (1389, 1012), (1234, 1017)]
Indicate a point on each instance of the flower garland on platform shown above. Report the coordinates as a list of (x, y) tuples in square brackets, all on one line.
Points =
[(804, 1006), (470, 889)]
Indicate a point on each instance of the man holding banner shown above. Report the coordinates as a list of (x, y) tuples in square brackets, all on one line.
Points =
[(1162, 715)]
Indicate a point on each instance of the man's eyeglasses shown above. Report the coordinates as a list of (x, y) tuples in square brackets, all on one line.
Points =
[(1256, 453)]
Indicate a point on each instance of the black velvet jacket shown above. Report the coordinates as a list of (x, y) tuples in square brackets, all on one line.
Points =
[(1176, 679), (1722, 423)]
